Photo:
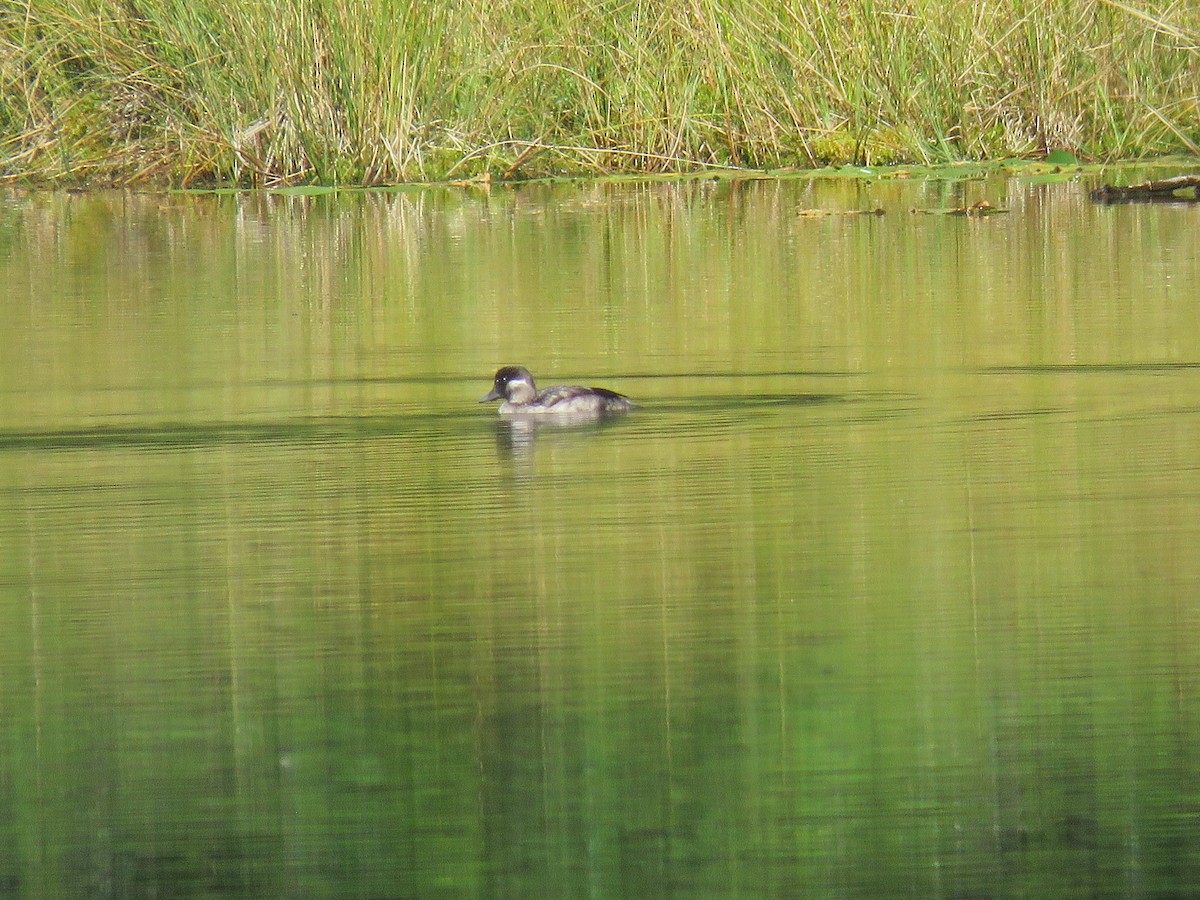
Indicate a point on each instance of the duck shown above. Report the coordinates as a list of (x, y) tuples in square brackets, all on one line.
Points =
[(516, 387)]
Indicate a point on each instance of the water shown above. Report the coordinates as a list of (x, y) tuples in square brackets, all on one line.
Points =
[(890, 588)]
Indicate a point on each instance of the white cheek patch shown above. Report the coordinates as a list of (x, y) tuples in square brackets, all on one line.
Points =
[(519, 387)]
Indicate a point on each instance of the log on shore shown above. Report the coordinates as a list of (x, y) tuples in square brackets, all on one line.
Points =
[(1162, 190)]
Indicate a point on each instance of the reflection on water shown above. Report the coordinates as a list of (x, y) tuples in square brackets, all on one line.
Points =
[(888, 587), (517, 436)]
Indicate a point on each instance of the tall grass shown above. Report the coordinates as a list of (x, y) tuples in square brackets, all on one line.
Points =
[(373, 91)]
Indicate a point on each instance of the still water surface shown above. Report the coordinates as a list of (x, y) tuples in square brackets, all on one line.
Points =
[(890, 587)]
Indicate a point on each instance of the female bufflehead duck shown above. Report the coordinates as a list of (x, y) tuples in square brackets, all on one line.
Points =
[(514, 385)]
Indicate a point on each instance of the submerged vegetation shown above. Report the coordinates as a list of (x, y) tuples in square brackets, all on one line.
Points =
[(378, 91)]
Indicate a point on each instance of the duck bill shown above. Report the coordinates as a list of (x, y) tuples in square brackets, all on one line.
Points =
[(493, 394)]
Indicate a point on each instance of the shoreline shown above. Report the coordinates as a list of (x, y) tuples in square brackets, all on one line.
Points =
[(1123, 171)]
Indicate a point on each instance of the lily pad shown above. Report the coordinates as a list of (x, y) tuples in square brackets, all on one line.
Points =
[(308, 190), (1062, 158)]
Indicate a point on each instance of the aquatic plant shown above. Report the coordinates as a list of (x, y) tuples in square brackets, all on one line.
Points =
[(379, 91)]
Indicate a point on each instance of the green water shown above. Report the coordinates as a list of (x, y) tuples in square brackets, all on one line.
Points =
[(890, 588)]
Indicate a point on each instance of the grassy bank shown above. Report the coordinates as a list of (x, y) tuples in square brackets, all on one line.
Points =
[(376, 91)]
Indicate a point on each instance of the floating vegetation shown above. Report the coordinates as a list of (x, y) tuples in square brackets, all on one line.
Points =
[(977, 210), (825, 213)]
